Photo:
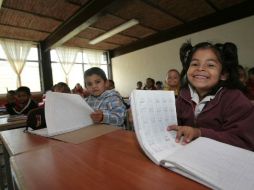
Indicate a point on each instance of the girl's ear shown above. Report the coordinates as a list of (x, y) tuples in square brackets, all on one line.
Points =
[(224, 76)]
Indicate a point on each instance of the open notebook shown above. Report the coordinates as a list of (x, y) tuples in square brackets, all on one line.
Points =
[(212, 163), (64, 113)]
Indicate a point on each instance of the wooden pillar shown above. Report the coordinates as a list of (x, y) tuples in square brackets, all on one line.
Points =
[(45, 67)]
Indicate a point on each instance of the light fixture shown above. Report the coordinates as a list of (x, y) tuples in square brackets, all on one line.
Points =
[(76, 31), (114, 31)]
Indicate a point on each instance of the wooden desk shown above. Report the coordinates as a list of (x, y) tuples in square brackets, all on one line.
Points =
[(16, 142), (111, 161), (5, 124)]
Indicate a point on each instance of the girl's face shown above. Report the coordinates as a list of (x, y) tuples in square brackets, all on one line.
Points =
[(204, 71), (173, 79), (95, 85)]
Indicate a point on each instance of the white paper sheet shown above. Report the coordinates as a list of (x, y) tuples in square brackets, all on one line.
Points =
[(65, 112)]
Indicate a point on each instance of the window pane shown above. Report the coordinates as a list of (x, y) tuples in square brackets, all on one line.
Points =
[(53, 56), (7, 77), (79, 57), (2, 54), (33, 54), (57, 72), (76, 76), (31, 71)]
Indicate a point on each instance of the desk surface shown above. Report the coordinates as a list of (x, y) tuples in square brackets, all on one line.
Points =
[(5, 124), (17, 141), (111, 161)]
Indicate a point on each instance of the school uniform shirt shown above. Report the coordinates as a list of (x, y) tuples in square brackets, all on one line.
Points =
[(111, 104), (227, 117)]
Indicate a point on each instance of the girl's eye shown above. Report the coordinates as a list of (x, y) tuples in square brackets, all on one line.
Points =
[(194, 64), (211, 65)]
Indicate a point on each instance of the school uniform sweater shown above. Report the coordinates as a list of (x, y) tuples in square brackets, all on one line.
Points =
[(228, 117)]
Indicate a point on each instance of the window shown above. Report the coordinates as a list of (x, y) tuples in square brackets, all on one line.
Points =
[(81, 64), (31, 71)]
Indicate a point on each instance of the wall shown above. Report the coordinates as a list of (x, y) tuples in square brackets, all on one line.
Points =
[(154, 61)]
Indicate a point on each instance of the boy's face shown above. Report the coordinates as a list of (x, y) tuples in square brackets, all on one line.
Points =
[(173, 79), (204, 71), (22, 97), (95, 85)]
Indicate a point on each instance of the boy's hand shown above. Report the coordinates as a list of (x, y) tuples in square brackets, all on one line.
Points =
[(97, 116), (188, 133)]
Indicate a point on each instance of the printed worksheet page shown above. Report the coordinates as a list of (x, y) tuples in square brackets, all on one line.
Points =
[(152, 112)]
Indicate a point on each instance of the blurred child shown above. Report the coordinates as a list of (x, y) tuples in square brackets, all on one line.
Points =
[(23, 103), (210, 103), (78, 89), (110, 84), (150, 84), (173, 81), (61, 87), (11, 101), (159, 85), (139, 85), (250, 84), (108, 104)]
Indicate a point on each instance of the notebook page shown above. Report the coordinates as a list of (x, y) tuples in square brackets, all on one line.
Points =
[(66, 112), (152, 112), (216, 163)]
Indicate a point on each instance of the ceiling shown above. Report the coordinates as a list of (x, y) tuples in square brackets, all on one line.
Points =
[(54, 22)]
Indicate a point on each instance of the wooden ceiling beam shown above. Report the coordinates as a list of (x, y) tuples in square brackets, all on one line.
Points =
[(70, 28), (221, 17)]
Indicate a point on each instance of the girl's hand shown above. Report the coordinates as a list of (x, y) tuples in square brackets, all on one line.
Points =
[(188, 133), (97, 116)]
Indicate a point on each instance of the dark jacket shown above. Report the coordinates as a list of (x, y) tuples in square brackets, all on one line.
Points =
[(12, 111), (228, 118)]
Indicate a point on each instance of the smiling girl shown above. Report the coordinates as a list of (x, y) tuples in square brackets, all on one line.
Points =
[(210, 103)]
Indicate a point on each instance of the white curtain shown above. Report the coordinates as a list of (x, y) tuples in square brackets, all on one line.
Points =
[(93, 58), (16, 52), (67, 57)]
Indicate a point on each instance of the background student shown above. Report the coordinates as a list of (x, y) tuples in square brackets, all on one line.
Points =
[(108, 104), (173, 81), (210, 104), (11, 102), (24, 102), (250, 84)]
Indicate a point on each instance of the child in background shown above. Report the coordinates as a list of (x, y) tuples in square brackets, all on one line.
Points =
[(24, 103), (210, 103), (108, 104), (250, 84), (173, 81), (139, 85), (11, 101), (159, 85)]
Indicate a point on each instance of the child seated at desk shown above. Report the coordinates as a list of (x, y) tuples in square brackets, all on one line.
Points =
[(210, 103), (23, 103), (108, 104)]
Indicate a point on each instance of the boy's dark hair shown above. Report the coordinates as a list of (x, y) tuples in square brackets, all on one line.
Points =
[(226, 54), (63, 86), (24, 89), (95, 71), (11, 92)]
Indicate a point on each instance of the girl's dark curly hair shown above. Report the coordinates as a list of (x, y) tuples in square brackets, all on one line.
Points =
[(227, 56)]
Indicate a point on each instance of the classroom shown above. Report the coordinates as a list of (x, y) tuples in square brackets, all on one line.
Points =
[(48, 47)]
